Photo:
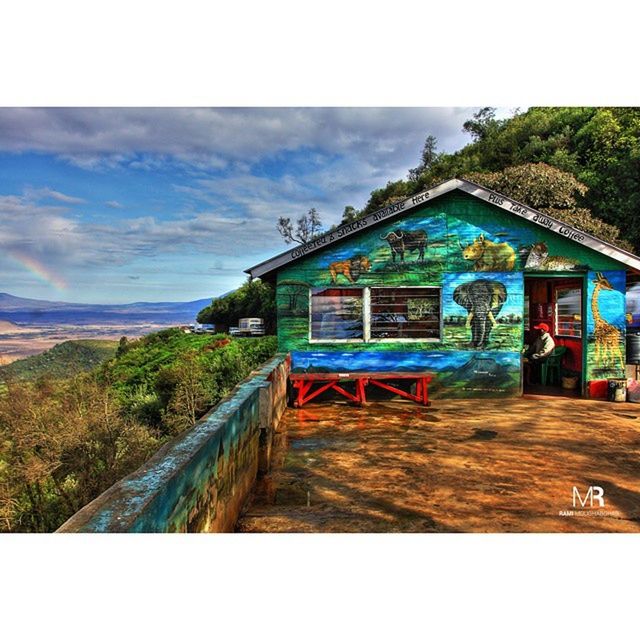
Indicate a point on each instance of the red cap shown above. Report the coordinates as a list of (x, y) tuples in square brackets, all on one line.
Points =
[(543, 325)]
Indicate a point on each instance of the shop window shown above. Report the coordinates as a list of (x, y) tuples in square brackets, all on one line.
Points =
[(336, 314), (632, 300), (568, 312), (405, 313)]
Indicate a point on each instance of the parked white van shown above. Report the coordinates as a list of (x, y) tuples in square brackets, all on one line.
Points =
[(251, 326)]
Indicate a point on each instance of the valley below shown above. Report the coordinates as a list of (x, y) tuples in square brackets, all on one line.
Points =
[(20, 341), (29, 327)]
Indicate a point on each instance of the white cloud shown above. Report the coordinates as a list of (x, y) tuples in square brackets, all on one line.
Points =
[(331, 156), (51, 235), (206, 138), (229, 202), (47, 193)]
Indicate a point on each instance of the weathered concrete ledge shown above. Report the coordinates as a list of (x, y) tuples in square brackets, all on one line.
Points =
[(200, 480)]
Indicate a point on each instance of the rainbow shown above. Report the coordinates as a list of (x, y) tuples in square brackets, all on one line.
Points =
[(38, 269)]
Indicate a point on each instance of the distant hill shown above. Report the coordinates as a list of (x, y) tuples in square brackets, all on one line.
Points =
[(10, 327), (64, 360), (30, 311)]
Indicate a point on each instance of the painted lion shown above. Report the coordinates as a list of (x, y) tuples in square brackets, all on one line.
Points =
[(351, 269)]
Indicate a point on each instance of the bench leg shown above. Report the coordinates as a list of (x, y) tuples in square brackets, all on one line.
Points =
[(425, 392), (360, 385), (302, 388)]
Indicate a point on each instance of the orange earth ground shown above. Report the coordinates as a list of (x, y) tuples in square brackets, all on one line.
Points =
[(459, 466)]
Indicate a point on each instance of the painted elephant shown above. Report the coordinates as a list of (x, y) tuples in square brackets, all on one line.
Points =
[(483, 300)]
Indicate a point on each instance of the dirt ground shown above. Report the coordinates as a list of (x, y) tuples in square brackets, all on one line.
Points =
[(458, 466)]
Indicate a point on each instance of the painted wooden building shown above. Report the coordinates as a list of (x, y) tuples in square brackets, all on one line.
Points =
[(452, 281)]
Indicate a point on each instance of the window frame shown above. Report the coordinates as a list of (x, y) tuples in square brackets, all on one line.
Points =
[(366, 319), (556, 315), (313, 340), (410, 340)]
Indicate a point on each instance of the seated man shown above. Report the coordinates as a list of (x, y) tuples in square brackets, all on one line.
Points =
[(540, 350)]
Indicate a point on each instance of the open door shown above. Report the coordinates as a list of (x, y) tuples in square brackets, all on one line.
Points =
[(557, 301)]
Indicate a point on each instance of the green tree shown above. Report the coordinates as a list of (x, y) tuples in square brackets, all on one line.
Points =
[(350, 214), (598, 146), (63, 443), (188, 398), (429, 156), (123, 346), (254, 298), (482, 123), (308, 227), (392, 192), (551, 191)]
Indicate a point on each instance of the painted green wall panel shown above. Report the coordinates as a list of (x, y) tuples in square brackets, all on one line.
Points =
[(463, 374), (606, 324), (506, 305), (463, 245), (447, 223)]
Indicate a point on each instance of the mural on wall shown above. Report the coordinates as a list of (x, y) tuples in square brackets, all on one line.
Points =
[(450, 235), (426, 248), (606, 324), (483, 312), (486, 255), (483, 243), (351, 269), (457, 374), (481, 240), (292, 299), (401, 241), (412, 251), (483, 300), (538, 259), (292, 306)]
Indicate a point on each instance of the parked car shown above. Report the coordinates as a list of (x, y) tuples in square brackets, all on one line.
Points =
[(251, 326)]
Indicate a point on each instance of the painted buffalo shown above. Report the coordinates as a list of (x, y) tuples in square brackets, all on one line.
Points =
[(401, 241), (483, 300)]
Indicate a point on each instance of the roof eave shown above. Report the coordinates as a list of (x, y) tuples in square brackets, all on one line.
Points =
[(401, 207)]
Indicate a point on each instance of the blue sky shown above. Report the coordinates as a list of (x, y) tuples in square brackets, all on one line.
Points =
[(123, 205)]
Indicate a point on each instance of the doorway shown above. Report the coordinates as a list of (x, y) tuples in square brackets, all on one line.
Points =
[(558, 302)]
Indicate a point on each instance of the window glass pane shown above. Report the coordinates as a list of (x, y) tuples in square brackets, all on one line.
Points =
[(405, 313), (633, 302), (336, 314), (569, 312)]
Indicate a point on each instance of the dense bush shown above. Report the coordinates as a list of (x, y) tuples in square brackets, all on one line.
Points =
[(64, 441), (254, 299), (597, 146), (551, 191)]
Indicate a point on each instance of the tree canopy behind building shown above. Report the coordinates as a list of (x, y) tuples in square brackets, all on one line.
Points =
[(598, 146), (254, 299)]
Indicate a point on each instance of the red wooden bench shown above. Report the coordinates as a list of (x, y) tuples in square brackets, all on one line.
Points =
[(303, 383)]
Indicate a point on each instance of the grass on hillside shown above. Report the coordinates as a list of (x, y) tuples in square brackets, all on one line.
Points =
[(61, 361), (64, 441), (140, 362)]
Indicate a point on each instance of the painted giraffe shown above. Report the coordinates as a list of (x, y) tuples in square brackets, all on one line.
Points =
[(607, 337)]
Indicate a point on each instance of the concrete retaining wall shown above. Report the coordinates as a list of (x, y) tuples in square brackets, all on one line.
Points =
[(199, 481)]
